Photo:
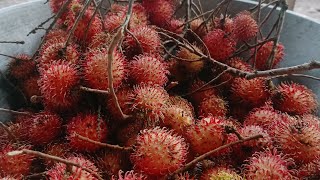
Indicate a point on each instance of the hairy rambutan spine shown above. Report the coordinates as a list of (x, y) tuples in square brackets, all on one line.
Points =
[(21, 67), (245, 26)]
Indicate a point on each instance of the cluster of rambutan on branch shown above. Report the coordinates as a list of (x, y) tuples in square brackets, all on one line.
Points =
[(108, 91)]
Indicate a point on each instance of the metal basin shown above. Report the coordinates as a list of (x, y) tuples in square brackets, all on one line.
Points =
[(301, 37)]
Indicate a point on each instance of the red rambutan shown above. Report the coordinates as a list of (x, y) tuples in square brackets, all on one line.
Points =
[(183, 104), (203, 93), (310, 170), (219, 173), (22, 67), (175, 25), (111, 162), (252, 92), (219, 44), (14, 165), (149, 69), (56, 149), (30, 86), (148, 39), (225, 24), (95, 69), (100, 40), (206, 135), (56, 34), (263, 55), (127, 135), (197, 27), (213, 105), (123, 95), (74, 173), (158, 152), (160, 11), (294, 98), (87, 125), (57, 83), (129, 175), (269, 164), (244, 26)]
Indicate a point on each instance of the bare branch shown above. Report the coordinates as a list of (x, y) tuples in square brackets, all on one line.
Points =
[(40, 26), (14, 112), (12, 42), (97, 91)]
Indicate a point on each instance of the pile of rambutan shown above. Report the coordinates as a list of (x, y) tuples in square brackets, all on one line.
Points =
[(163, 114)]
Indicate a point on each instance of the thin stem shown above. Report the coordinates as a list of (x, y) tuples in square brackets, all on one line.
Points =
[(54, 158), (40, 26), (110, 146), (299, 75), (14, 112), (205, 155), (98, 91), (12, 42)]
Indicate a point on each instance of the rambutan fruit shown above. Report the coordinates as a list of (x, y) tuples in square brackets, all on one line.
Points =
[(95, 69), (14, 165), (253, 92), (175, 118), (53, 50), (213, 105), (43, 127), (100, 40), (21, 67), (175, 25), (87, 125), (246, 149), (294, 98), (206, 135), (160, 11), (60, 169), (8, 178), (311, 119), (158, 152), (148, 41), (298, 139), (129, 175), (263, 54), (149, 69), (184, 176), (123, 94), (56, 149), (30, 86), (224, 23), (263, 116), (86, 29), (245, 26), (127, 134), (56, 34), (310, 170), (220, 45), (182, 103), (57, 83), (220, 173), (269, 164), (149, 100), (111, 162), (197, 27), (203, 93)]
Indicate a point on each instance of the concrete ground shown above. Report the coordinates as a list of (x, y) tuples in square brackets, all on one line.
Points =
[(310, 7)]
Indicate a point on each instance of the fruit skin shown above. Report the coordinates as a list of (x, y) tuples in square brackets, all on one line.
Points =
[(225, 24), (59, 149), (14, 165), (22, 67), (158, 152), (43, 127), (111, 162), (253, 92), (100, 40), (57, 84), (202, 94), (219, 44), (245, 26), (52, 51), (182, 103), (95, 69), (269, 164), (89, 126), (150, 101), (295, 99), (75, 173), (220, 173), (129, 175), (310, 170), (299, 139), (123, 94), (195, 27), (264, 53), (148, 38), (149, 69), (160, 11), (214, 105), (30, 86), (206, 135), (175, 25)]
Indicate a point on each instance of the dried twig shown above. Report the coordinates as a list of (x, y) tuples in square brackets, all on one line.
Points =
[(205, 155), (98, 91), (54, 158), (111, 146), (299, 75), (11, 135), (12, 42), (14, 112), (40, 26)]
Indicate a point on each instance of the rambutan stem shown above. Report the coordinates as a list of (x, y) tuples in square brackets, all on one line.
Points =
[(116, 147), (97, 91), (113, 45), (12, 57), (97, 7), (14, 112), (54, 158), (12, 42), (12, 136), (40, 26), (205, 155)]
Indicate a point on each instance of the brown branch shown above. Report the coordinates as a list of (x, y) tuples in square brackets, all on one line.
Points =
[(299, 75), (54, 158), (97, 91), (12, 42), (11, 135), (40, 26), (97, 9), (114, 43), (205, 155), (14, 112), (111, 146)]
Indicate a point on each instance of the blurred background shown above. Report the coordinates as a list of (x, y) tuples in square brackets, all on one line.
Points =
[(307, 7)]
